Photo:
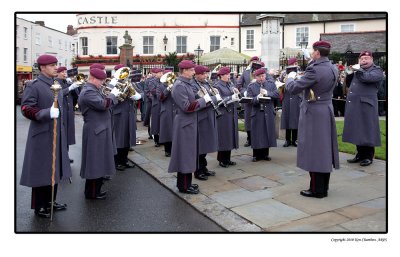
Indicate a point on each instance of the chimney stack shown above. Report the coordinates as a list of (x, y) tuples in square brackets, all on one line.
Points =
[(41, 23)]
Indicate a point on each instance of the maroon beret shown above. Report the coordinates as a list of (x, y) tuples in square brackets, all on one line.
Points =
[(117, 67), (186, 64), (254, 58), (323, 44), (292, 60), (262, 64), (199, 69), (46, 59), (365, 53), (259, 71), (98, 73), (155, 70), (207, 69), (61, 69), (224, 70), (98, 66)]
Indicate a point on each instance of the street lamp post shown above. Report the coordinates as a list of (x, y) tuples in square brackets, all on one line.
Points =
[(165, 40), (199, 52), (303, 45)]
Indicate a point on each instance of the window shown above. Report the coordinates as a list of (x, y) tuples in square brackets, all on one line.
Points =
[(84, 44), (60, 43), (25, 54), (25, 33), (301, 34), (250, 39), (50, 41), (181, 44), (17, 54), (215, 43), (37, 39), (112, 45), (347, 28), (232, 41), (148, 44)]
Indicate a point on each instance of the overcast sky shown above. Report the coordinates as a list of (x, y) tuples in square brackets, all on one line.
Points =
[(54, 21)]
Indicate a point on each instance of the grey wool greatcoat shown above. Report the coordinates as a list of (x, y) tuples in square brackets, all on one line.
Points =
[(185, 150), (155, 106), (290, 110), (148, 100), (36, 103), (207, 124), (69, 117), (227, 124), (361, 120), (167, 113), (263, 122), (243, 84), (124, 123), (97, 136), (317, 149)]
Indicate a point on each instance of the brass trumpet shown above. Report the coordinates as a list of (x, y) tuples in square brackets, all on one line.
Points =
[(80, 79)]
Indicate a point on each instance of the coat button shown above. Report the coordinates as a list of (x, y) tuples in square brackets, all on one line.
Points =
[(349, 101), (290, 98), (351, 92)]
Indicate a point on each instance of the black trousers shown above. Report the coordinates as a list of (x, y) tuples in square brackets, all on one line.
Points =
[(291, 135), (156, 138), (261, 153), (202, 164), (41, 197), (365, 152), (93, 187), (249, 137), (319, 182), (121, 158), (167, 147), (184, 180), (224, 156)]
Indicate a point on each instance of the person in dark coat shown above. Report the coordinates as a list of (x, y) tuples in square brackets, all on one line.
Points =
[(242, 84), (167, 114), (382, 96), (148, 100), (361, 120), (185, 149), (317, 149), (155, 107), (262, 115), (290, 110), (207, 124), (37, 105), (97, 136), (69, 117), (227, 124)]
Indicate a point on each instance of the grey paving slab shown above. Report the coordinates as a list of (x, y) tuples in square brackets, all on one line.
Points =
[(336, 228), (138, 158), (239, 197), (254, 183), (313, 223), (373, 223), (268, 213), (363, 209)]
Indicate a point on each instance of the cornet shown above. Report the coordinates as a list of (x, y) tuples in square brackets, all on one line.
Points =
[(201, 93), (168, 78), (80, 79)]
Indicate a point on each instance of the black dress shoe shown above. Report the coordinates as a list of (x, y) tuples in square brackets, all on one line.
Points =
[(209, 173), (294, 144), (71, 161), (107, 177), (167, 154), (354, 160), (120, 167), (231, 163), (365, 162), (97, 197), (43, 213), (201, 177), (308, 193), (157, 145), (190, 190), (150, 137), (57, 206), (224, 165), (247, 144), (131, 149), (195, 186), (267, 158), (128, 165), (286, 144), (255, 159)]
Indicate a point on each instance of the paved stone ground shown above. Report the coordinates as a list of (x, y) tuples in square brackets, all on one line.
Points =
[(264, 196)]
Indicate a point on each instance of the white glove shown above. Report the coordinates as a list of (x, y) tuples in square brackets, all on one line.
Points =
[(113, 82), (207, 98), (245, 93), (218, 96), (254, 80), (356, 67), (292, 75), (169, 88), (306, 53), (235, 98), (54, 113), (115, 92), (73, 86), (68, 80), (136, 97)]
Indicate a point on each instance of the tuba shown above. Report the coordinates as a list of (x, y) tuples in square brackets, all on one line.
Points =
[(123, 84)]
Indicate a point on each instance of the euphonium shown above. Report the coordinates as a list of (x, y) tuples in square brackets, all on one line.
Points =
[(80, 79), (168, 78)]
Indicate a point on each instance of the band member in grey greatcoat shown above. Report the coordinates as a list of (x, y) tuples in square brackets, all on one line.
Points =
[(207, 124), (242, 84), (262, 115), (290, 110), (153, 83), (97, 136), (185, 147), (167, 115), (227, 124), (37, 105), (317, 148), (361, 120)]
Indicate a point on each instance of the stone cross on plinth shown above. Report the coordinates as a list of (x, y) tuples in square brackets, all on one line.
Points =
[(126, 50)]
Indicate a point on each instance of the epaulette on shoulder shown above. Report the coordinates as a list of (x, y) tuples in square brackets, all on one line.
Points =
[(32, 82)]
